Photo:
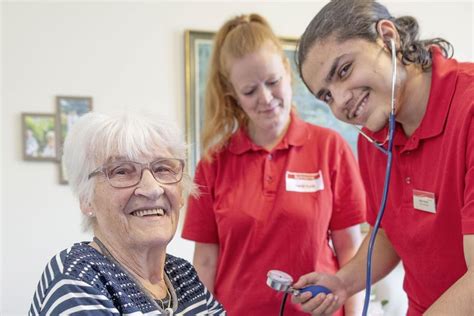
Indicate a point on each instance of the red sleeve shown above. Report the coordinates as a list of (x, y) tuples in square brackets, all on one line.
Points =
[(348, 190), (200, 222), (467, 212)]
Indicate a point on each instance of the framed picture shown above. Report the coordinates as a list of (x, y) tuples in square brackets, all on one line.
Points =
[(39, 136), (198, 49), (68, 111)]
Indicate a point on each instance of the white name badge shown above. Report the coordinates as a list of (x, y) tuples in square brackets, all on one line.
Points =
[(424, 201), (304, 182)]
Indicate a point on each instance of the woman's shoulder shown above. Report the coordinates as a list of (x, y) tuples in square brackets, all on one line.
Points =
[(318, 129), (76, 262), (320, 135), (62, 261), (215, 158), (68, 271)]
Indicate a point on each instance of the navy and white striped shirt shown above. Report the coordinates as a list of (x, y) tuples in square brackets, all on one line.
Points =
[(80, 280)]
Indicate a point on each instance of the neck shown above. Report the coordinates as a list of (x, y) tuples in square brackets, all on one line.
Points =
[(268, 138), (413, 98), (143, 264)]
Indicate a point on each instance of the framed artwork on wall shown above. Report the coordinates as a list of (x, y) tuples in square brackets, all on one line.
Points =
[(198, 49), (39, 136), (68, 111)]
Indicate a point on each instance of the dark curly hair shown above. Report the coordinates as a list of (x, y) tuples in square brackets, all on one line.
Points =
[(347, 19)]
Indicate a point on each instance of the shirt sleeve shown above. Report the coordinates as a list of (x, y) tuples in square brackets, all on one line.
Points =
[(467, 212), (348, 190), (68, 296), (200, 223)]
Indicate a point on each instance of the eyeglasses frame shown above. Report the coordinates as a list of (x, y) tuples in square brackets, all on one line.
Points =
[(103, 170)]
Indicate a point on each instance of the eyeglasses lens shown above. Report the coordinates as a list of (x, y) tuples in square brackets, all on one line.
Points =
[(128, 173), (167, 170)]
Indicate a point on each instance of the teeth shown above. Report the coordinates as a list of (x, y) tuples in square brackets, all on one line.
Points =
[(156, 211), (360, 107), (357, 112)]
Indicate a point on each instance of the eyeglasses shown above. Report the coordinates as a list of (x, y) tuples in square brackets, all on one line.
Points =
[(126, 174)]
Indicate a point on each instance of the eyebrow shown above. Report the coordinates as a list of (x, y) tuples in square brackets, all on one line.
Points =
[(333, 69)]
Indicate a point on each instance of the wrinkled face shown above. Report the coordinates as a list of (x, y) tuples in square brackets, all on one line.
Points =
[(353, 77), (262, 84), (140, 216)]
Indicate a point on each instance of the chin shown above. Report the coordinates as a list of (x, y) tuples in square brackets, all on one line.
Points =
[(376, 124), (373, 129)]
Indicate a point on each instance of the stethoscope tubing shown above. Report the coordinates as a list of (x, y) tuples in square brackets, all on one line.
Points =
[(388, 170)]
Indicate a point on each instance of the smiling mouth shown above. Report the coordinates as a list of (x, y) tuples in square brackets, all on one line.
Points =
[(149, 212), (357, 110), (268, 110)]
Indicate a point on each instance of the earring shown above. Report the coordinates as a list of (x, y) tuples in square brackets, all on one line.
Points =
[(90, 214)]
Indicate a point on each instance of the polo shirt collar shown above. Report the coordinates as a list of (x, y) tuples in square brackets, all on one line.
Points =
[(443, 82), (444, 73), (296, 135)]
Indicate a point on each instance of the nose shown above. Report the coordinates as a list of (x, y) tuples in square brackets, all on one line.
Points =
[(340, 100), (148, 186), (265, 95)]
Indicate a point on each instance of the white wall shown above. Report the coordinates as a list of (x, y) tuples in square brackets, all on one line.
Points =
[(1, 163), (124, 55)]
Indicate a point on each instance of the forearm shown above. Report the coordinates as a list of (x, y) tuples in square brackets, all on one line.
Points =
[(205, 263), (384, 260), (354, 305), (457, 300), (207, 275), (346, 244)]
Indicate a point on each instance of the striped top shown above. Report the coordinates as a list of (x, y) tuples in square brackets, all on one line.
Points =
[(80, 280)]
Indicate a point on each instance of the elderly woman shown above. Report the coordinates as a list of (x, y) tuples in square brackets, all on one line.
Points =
[(128, 175)]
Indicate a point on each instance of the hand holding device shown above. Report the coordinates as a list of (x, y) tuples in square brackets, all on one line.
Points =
[(281, 281)]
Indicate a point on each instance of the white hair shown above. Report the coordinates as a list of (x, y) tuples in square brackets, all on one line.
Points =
[(96, 138)]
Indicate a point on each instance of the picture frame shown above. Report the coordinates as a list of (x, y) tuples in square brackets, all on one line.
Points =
[(39, 136), (198, 49), (68, 111)]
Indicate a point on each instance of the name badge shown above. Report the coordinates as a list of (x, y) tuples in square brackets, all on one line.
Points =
[(304, 182), (424, 201)]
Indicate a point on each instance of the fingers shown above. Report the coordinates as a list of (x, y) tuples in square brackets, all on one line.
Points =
[(322, 304), (301, 298), (310, 278)]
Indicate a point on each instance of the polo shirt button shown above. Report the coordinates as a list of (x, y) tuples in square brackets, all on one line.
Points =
[(269, 179), (408, 180), (270, 157), (408, 152)]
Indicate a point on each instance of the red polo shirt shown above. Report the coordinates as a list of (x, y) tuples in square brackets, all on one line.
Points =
[(274, 210), (438, 158)]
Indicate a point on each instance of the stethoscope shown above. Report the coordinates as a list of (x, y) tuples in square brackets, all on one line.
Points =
[(281, 281)]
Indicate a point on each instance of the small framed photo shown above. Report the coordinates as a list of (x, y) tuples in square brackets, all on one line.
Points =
[(68, 110), (39, 136)]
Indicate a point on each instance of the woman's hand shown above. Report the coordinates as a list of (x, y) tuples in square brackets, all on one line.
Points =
[(321, 304)]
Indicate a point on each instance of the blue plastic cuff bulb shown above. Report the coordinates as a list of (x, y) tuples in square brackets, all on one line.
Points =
[(314, 289)]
